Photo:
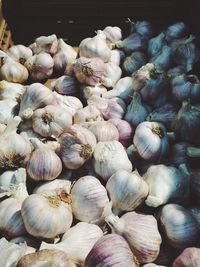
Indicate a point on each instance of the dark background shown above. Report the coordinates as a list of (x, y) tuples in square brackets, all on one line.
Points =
[(74, 20)]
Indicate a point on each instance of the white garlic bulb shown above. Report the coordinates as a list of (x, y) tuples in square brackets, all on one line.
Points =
[(112, 74), (89, 198), (9, 90), (51, 120), (46, 44), (109, 157), (77, 241), (89, 91), (19, 53), (8, 109), (117, 56), (88, 114), (52, 185), (126, 190), (44, 164), (112, 33), (46, 215)]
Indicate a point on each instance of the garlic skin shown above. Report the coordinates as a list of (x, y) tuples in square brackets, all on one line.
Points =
[(9, 90), (142, 27), (133, 62), (117, 56), (141, 233), (89, 71), (164, 57), (66, 85), (151, 140), (64, 57), (112, 75), (46, 257), (126, 190), (19, 53), (166, 184), (11, 253), (40, 66), (12, 71), (175, 31), (46, 215), (106, 154), (95, 47), (89, 198), (111, 250), (155, 44), (112, 33), (89, 91), (46, 44), (8, 109), (43, 164), (81, 238), (36, 96), (32, 245), (11, 222), (14, 148), (180, 227), (51, 121), (89, 113), (77, 146), (52, 185), (104, 131), (188, 258)]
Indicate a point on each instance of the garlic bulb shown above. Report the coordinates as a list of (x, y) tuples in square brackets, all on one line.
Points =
[(142, 27), (47, 215), (36, 96), (46, 44), (8, 109), (43, 164), (155, 44), (11, 222), (95, 47), (175, 71), (109, 157), (13, 71), (19, 53), (11, 253), (123, 89), (9, 90), (64, 56), (136, 111), (164, 57), (126, 190), (46, 257), (40, 66), (133, 62), (117, 56), (51, 121), (66, 85), (166, 184), (125, 131), (112, 34), (141, 233), (151, 140), (188, 258), (52, 185), (175, 31), (186, 87), (89, 198), (104, 131), (180, 227), (88, 91), (77, 241), (89, 71), (111, 250), (77, 146), (89, 113), (112, 74), (14, 149)]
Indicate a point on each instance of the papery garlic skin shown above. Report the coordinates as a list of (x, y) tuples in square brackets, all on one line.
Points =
[(89, 113), (19, 53), (89, 198), (109, 157), (51, 121), (188, 258), (46, 44), (89, 91), (66, 85), (112, 75), (52, 185), (32, 245), (111, 250), (133, 62), (8, 109), (112, 34), (156, 43), (126, 190), (77, 145), (141, 233), (11, 221), (9, 90), (46, 215), (117, 56), (175, 31), (81, 238)]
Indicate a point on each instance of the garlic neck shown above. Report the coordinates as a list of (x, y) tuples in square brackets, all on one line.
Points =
[(158, 131), (86, 151)]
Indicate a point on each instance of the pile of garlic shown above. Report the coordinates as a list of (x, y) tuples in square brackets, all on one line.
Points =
[(99, 164)]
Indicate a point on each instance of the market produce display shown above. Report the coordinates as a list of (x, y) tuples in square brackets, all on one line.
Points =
[(99, 150)]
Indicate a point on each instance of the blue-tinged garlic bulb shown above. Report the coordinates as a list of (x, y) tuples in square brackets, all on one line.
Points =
[(142, 27), (186, 87), (136, 111), (150, 80), (133, 62), (175, 31), (164, 114), (155, 44), (180, 227), (186, 125), (166, 184), (175, 71), (163, 57), (151, 141)]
